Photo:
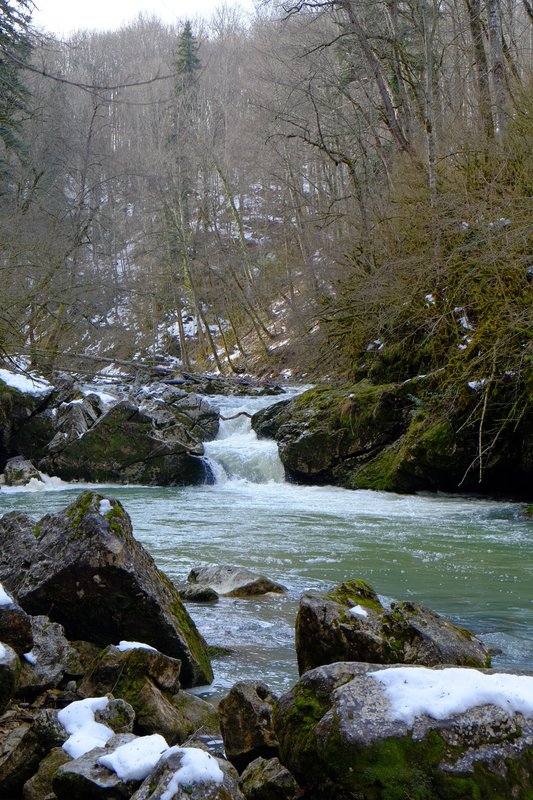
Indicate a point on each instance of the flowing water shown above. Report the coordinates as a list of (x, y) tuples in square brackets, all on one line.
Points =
[(469, 559)]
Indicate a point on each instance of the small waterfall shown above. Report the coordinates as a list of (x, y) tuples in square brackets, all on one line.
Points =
[(237, 453)]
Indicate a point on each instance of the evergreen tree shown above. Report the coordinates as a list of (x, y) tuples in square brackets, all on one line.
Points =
[(14, 50), (187, 60)]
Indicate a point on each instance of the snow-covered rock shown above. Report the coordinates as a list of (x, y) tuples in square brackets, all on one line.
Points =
[(367, 731)]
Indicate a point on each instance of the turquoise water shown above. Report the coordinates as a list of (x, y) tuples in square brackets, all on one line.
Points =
[(466, 558)]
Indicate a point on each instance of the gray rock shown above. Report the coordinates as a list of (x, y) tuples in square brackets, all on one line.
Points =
[(268, 780), (85, 777), (246, 723), (233, 581), (158, 782), (350, 624), (50, 653), (339, 737), (20, 755), (9, 675), (100, 584), (18, 547), (197, 593), (19, 471)]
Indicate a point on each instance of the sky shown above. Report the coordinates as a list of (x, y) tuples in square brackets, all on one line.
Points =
[(64, 16)]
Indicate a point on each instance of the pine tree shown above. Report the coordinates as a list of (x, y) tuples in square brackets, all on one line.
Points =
[(187, 60), (14, 50)]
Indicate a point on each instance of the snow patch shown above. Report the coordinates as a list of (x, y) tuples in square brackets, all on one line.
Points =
[(442, 692), (104, 507), (5, 598), (358, 611), (124, 646), (135, 760), (84, 732), (34, 386), (30, 657), (197, 766)]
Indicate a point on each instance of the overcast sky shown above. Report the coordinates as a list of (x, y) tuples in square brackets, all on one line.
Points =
[(63, 16)]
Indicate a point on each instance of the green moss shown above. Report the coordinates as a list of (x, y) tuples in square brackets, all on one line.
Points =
[(528, 511), (78, 510), (358, 592), (37, 531)]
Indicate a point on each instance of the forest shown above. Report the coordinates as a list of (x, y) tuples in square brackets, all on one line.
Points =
[(334, 187)]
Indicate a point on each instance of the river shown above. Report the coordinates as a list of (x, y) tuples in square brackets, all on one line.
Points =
[(469, 559)]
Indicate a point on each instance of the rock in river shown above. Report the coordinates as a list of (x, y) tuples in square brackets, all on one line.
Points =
[(89, 574), (364, 731), (234, 581), (350, 624)]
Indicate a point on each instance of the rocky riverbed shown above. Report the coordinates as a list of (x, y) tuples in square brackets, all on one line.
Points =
[(98, 656)]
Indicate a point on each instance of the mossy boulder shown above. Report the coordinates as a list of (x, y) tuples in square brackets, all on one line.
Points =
[(17, 408), (324, 432), (129, 445), (92, 576), (246, 723), (267, 779), (340, 737), (39, 787), (146, 680), (401, 438), (350, 624)]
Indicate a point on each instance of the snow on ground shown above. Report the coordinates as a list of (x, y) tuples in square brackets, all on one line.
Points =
[(197, 766), (358, 611), (5, 598), (79, 722), (439, 693), (124, 646), (35, 386), (135, 760)]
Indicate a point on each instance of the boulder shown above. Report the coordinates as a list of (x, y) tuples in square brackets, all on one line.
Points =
[(9, 675), (20, 399), (15, 627), (198, 718), (188, 773), (19, 471), (197, 593), (171, 405), (47, 663), (268, 780), (20, 755), (86, 778), (326, 432), (350, 624), (146, 679), (97, 581), (39, 787), (246, 723), (233, 581), (342, 733), (128, 445)]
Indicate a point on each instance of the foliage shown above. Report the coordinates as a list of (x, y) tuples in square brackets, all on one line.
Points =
[(15, 47)]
